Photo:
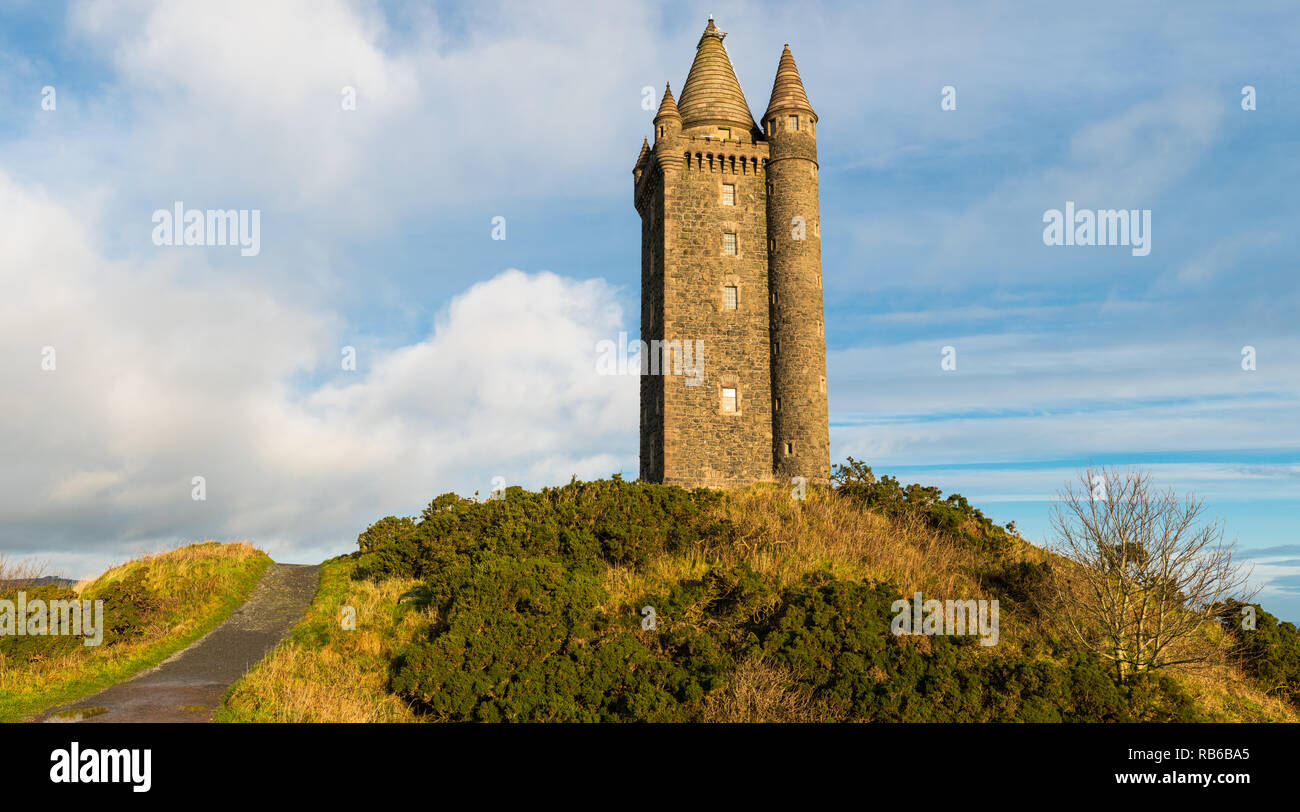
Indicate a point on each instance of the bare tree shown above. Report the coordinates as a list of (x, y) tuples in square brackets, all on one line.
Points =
[(19, 572), (1152, 570)]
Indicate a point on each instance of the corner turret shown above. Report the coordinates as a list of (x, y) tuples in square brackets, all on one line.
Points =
[(800, 435), (668, 121)]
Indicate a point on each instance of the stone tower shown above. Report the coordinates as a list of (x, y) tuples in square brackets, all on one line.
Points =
[(731, 294)]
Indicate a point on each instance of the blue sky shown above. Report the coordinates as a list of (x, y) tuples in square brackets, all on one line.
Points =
[(475, 355)]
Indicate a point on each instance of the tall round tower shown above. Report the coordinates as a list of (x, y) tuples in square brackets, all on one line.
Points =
[(800, 436)]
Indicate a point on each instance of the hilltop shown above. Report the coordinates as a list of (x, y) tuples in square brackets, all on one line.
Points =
[(615, 600)]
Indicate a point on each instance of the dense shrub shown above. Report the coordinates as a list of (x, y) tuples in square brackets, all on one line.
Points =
[(521, 640), (1269, 653), (520, 628), (129, 606), (952, 516), (585, 524), (384, 533), (28, 648), (836, 635), (1020, 584)]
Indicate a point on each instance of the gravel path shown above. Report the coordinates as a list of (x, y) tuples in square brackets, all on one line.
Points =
[(187, 686)]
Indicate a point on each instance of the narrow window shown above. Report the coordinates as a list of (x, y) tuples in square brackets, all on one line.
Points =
[(729, 244), (728, 400), (776, 347), (728, 194), (789, 448), (778, 404), (730, 297), (794, 123)]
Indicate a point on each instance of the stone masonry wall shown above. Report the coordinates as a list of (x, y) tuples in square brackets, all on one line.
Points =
[(652, 299), (800, 432), (703, 444), (772, 348)]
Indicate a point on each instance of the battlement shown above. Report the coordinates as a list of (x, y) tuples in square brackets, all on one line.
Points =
[(700, 153), (722, 155)]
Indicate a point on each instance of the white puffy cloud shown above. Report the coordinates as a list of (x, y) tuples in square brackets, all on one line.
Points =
[(162, 375)]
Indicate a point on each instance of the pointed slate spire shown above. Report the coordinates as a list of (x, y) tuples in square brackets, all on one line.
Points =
[(667, 107), (712, 94), (787, 90)]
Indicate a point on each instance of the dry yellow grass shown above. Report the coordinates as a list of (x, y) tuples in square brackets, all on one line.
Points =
[(1224, 694), (759, 691), (784, 539), (326, 673), (189, 564)]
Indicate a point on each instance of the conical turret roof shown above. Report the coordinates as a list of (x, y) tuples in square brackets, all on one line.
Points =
[(787, 90), (667, 107), (712, 93)]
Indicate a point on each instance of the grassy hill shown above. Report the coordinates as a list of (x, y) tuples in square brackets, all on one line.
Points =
[(535, 607), (152, 607)]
